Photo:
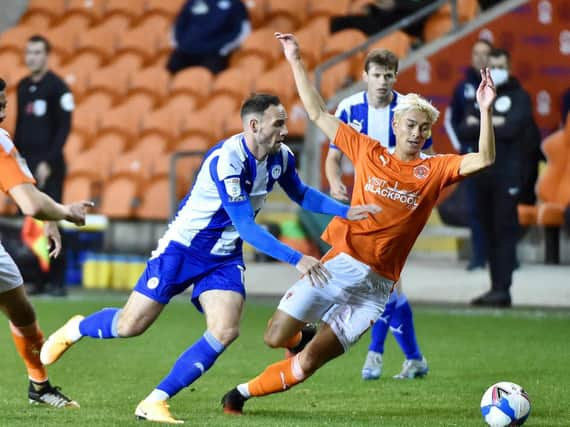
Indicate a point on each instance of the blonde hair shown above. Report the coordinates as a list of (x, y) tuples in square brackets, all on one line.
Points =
[(414, 102)]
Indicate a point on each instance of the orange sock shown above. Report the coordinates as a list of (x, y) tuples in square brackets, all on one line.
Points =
[(29, 340), (277, 378), (294, 340)]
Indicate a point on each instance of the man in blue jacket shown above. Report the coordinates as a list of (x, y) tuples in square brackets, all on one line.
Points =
[(205, 32)]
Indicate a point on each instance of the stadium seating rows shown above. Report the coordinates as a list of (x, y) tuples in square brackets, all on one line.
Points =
[(131, 114)]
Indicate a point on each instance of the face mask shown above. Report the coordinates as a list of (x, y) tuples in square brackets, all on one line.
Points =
[(499, 76)]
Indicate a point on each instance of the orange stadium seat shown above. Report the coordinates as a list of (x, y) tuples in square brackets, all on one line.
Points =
[(252, 64), (73, 25), (261, 43), (74, 144), (286, 16), (186, 168), (167, 8), (10, 60), (127, 62), (116, 23), (92, 9), (233, 124), (298, 120), (335, 78), (195, 81), (119, 196), (152, 81), (86, 121), (277, 81), (436, 26), (256, 10), (100, 40), (39, 21), (112, 79), (132, 9), (194, 143), (79, 186), (15, 38), (125, 119), (52, 9), (342, 41), (141, 41), (155, 200), (162, 122), (62, 44), (233, 82), (311, 41), (140, 158), (203, 123), (329, 8), (397, 42), (90, 162)]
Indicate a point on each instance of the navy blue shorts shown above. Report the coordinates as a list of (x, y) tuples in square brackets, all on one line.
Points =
[(178, 268)]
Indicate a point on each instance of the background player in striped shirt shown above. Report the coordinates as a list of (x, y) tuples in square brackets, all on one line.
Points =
[(371, 113), (366, 257), (203, 247), (17, 181)]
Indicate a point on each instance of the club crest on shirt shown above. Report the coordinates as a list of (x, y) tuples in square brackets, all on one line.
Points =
[(421, 172), (152, 283), (276, 171)]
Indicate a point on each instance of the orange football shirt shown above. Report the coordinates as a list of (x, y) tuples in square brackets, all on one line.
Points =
[(13, 168), (406, 192)]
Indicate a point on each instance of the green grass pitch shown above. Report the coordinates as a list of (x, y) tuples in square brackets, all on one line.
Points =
[(467, 352)]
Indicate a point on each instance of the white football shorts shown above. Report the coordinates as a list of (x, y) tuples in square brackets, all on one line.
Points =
[(353, 299), (10, 276)]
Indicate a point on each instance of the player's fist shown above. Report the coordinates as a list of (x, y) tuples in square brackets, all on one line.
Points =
[(290, 46), (76, 211), (314, 269)]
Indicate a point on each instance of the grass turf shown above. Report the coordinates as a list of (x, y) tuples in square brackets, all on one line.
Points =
[(467, 352)]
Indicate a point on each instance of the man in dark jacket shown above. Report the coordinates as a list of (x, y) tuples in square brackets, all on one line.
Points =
[(498, 188), (43, 123), (462, 135), (206, 31)]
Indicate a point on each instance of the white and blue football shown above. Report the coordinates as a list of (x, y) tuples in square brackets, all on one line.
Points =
[(505, 404)]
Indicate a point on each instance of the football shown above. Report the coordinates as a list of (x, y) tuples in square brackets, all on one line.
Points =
[(505, 404)]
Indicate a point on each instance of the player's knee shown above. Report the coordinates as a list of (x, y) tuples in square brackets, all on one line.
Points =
[(226, 335)]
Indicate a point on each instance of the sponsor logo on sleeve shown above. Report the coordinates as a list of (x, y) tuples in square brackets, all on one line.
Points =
[(233, 189), (66, 102)]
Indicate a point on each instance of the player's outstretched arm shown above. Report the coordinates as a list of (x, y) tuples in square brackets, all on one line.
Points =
[(312, 101), (39, 205), (485, 157)]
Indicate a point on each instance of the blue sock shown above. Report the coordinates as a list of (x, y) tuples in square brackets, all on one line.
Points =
[(192, 364), (102, 324), (380, 328), (402, 327)]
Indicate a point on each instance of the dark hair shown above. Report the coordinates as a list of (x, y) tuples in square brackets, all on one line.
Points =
[(485, 42), (497, 52), (2, 84), (382, 57), (257, 103), (36, 38)]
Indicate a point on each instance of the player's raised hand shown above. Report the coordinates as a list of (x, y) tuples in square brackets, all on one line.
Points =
[(77, 211), (486, 92), (314, 269), (356, 213), (290, 46)]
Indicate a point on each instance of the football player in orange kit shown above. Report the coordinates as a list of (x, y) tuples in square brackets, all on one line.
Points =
[(17, 181), (367, 257)]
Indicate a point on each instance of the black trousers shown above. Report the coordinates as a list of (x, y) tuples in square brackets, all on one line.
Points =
[(497, 198), (53, 187), (179, 60)]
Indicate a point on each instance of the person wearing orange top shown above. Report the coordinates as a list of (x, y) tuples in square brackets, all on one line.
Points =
[(366, 258), (17, 181)]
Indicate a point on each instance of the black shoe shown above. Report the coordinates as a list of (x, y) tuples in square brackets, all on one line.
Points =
[(307, 334), (44, 393), (233, 402), (59, 291), (35, 289), (496, 299)]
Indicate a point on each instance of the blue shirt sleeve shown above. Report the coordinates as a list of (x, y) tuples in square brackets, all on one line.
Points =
[(237, 205), (308, 197)]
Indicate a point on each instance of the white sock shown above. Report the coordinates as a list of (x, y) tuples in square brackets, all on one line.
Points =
[(157, 395), (72, 331), (244, 390)]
